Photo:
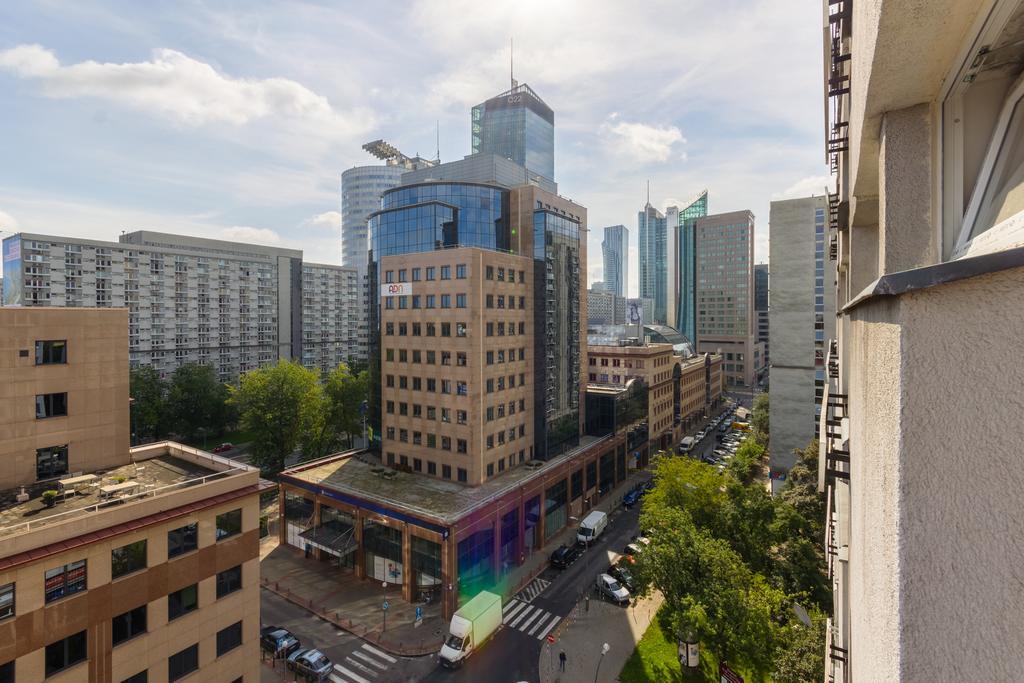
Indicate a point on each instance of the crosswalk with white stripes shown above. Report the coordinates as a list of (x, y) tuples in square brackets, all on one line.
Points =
[(530, 619), (364, 665), (535, 588)]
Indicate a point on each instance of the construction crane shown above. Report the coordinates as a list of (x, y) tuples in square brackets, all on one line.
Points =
[(391, 155)]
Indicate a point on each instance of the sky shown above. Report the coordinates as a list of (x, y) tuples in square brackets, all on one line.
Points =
[(234, 120)]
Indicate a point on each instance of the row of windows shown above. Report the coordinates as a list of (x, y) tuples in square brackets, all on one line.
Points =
[(73, 650), (497, 412), (427, 301), (492, 301), (430, 329), (418, 465), (461, 388), (491, 273), (618, 362), (499, 437), (431, 273)]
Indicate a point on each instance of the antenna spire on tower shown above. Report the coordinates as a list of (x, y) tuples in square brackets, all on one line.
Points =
[(438, 157), (511, 61), (648, 192)]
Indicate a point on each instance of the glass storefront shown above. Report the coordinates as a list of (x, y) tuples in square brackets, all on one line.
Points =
[(509, 536), (338, 530), (556, 512), (532, 511), (382, 552), (298, 516), (426, 562), (607, 472), (476, 563)]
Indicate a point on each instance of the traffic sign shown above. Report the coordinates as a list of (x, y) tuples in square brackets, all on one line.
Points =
[(385, 606), (551, 638)]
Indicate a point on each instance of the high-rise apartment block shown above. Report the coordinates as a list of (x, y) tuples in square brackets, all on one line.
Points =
[(516, 125), (725, 292), (802, 320), (652, 247), (194, 300), (615, 250), (116, 564), (920, 456), (761, 308)]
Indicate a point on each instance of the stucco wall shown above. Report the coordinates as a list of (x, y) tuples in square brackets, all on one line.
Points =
[(791, 416), (936, 552)]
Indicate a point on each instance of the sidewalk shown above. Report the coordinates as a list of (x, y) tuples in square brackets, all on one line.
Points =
[(583, 634), (350, 603)]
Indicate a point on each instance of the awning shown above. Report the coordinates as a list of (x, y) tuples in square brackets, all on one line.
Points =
[(334, 537)]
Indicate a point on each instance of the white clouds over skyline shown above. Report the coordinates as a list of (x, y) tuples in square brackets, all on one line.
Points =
[(642, 142)]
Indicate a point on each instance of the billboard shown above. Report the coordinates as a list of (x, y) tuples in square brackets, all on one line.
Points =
[(635, 312), (396, 289), (12, 283)]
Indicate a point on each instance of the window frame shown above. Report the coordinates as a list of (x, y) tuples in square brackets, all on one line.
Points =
[(190, 660), (231, 645), (184, 546), (228, 533), (132, 618), (64, 570), (184, 608), (41, 354), (8, 611), (131, 555), (68, 664)]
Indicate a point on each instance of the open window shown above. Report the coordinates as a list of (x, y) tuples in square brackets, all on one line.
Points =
[(983, 138)]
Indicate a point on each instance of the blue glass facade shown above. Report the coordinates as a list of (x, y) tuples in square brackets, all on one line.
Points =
[(653, 261), (615, 250), (557, 353), (686, 315), (516, 125)]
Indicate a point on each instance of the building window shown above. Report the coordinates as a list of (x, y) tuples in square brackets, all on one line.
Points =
[(229, 638), (446, 301), (446, 272), (182, 601), (460, 271), (460, 301), (51, 462), (446, 471), (490, 469), (51, 405), (389, 276), (229, 581), (462, 474), (489, 273), (7, 673), (66, 580), (430, 273), (128, 625), (415, 274), (141, 677), (51, 352), (431, 468), (128, 558), (66, 653), (6, 601), (229, 524), (183, 663)]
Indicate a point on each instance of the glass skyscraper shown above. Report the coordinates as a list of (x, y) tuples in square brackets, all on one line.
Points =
[(517, 125), (615, 249), (653, 259), (685, 315)]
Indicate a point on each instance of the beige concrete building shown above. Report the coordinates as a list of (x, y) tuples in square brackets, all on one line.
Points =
[(653, 363), (920, 456), (725, 294), (137, 564)]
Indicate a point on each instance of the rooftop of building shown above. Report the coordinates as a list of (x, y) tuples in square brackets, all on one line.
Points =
[(357, 473), (156, 470), (489, 169)]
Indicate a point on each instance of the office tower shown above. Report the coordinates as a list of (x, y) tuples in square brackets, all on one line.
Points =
[(230, 305), (116, 563), (921, 473), (802, 318), (653, 259), (761, 308), (725, 292), (615, 250), (682, 263), (516, 125), (602, 307)]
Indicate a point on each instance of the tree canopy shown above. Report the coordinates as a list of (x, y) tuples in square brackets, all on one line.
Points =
[(149, 404), (197, 402)]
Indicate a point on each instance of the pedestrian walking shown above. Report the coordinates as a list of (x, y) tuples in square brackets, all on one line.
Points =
[(561, 660), (586, 603)]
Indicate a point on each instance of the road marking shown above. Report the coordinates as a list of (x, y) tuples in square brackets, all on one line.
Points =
[(551, 625), (371, 660), (382, 655), (537, 625), (509, 604), (535, 588), (529, 608), (354, 677), (361, 667), (535, 615), (518, 606)]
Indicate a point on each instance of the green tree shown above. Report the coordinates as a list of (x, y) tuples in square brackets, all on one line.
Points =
[(197, 402), (338, 416), (746, 463), (709, 591), (759, 421), (149, 403), (281, 405), (801, 655), (801, 492)]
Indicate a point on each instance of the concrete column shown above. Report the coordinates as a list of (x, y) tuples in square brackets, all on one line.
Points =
[(281, 523), (907, 238), (449, 576), (407, 585), (358, 533), (863, 269), (317, 553)]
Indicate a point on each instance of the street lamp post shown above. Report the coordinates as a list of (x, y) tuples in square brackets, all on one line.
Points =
[(604, 651)]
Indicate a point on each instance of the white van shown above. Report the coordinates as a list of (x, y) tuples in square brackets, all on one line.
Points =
[(591, 527)]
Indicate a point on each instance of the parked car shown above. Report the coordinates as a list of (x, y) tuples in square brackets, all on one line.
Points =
[(649, 485), (632, 497), (620, 572), (311, 664), (612, 590), (279, 642), (565, 555), (224, 447), (632, 549)]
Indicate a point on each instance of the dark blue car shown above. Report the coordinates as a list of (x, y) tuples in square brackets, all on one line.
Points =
[(632, 498)]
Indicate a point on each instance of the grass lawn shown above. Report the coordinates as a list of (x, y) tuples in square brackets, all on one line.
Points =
[(656, 660)]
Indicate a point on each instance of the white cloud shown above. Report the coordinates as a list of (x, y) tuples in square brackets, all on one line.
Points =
[(175, 86), (245, 233), (7, 223), (330, 220), (806, 187), (643, 142)]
